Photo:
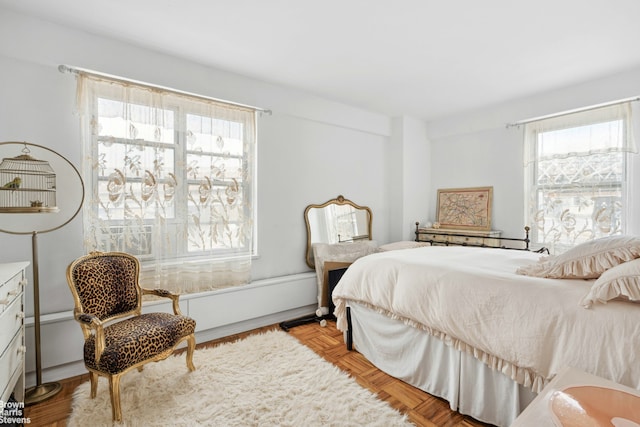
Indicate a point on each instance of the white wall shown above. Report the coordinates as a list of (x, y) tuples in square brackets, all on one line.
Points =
[(409, 165), (477, 149), (310, 150), (302, 162)]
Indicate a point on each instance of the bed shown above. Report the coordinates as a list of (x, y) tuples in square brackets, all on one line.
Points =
[(486, 329)]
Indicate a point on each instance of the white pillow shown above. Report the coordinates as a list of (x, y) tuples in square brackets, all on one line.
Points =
[(622, 281), (587, 260)]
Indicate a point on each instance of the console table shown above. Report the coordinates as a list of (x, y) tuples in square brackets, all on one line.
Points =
[(446, 236)]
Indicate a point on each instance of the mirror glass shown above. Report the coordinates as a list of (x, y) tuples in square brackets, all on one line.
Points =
[(338, 220)]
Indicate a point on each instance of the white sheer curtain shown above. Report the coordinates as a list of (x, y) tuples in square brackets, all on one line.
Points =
[(576, 176), (170, 180)]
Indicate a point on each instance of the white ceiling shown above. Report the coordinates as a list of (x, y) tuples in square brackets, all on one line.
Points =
[(421, 58)]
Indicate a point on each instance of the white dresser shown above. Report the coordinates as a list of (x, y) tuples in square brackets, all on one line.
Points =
[(12, 345)]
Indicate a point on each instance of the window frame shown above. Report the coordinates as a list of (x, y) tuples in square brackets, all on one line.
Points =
[(181, 153), (535, 191)]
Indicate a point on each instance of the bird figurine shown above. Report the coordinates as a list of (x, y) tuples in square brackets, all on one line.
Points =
[(15, 183)]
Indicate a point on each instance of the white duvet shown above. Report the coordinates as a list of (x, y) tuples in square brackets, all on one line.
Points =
[(528, 328)]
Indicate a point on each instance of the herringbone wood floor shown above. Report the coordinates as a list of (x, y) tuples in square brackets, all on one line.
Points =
[(422, 408)]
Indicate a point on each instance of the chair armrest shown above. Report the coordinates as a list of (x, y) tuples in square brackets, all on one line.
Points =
[(89, 320), (92, 322), (165, 294)]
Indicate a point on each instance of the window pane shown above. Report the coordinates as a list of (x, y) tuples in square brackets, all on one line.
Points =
[(133, 159), (570, 216), (208, 135), (132, 239), (214, 167), (216, 217), (137, 199), (588, 170), (135, 180), (601, 137), (131, 121)]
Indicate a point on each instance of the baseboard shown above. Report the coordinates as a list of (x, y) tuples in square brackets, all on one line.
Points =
[(236, 328)]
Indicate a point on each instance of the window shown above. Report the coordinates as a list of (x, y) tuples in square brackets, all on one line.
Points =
[(171, 180), (576, 174)]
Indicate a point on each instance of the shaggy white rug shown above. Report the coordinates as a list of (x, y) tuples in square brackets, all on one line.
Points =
[(269, 379)]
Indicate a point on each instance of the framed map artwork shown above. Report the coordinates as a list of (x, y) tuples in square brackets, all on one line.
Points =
[(465, 208)]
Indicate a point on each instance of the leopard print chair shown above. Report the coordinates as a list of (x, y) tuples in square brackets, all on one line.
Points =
[(117, 336)]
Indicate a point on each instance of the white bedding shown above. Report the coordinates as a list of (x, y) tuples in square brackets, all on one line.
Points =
[(528, 328)]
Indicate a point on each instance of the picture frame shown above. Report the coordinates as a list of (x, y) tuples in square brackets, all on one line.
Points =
[(465, 208)]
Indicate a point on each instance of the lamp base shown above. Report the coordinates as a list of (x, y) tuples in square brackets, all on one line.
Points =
[(41, 392)]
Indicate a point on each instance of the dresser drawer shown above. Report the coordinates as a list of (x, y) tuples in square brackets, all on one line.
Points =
[(11, 290), (464, 239), (434, 237), (11, 360), (10, 322), (441, 238)]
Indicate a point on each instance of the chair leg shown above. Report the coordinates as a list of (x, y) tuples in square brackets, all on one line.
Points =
[(191, 346), (114, 391), (93, 378)]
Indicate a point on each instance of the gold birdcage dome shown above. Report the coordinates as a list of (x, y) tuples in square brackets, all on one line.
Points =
[(27, 185)]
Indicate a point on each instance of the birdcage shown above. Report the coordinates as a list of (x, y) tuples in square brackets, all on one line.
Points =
[(27, 185)]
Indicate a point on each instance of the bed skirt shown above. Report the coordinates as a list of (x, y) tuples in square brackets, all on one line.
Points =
[(424, 361)]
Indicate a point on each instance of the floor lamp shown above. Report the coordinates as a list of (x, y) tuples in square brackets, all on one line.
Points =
[(40, 191)]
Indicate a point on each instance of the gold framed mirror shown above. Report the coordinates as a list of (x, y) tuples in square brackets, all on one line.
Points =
[(337, 220)]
